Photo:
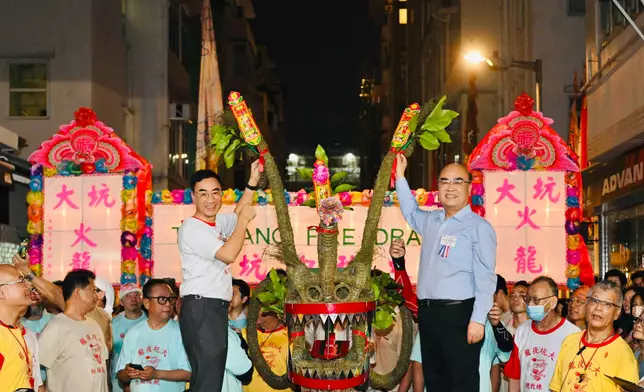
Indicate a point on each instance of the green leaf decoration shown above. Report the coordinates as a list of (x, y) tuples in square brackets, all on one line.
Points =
[(439, 118), (336, 177), (218, 131), (266, 297), (413, 123), (229, 155), (344, 188), (273, 298), (348, 208), (320, 154), (376, 290), (387, 297), (429, 141), (223, 141), (305, 172), (383, 320), (275, 278), (443, 136), (309, 203)]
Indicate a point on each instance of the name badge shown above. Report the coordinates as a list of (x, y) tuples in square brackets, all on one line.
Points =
[(447, 242)]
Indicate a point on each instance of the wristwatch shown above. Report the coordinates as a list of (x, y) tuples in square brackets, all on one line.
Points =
[(250, 187), (30, 276)]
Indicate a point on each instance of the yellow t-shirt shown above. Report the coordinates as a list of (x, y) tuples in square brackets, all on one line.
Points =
[(274, 346), (584, 372), (15, 368)]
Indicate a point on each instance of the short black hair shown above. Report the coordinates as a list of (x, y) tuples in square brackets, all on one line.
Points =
[(243, 287), (172, 282), (501, 284), (546, 279), (58, 283), (522, 283), (619, 274), (639, 292), (77, 279), (149, 285), (201, 175), (637, 275)]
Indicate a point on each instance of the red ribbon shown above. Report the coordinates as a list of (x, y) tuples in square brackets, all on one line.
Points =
[(322, 230), (392, 177), (262, 160)]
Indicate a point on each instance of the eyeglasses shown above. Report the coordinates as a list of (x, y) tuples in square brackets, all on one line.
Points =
[(601, 304), (528, 299), (455, 181), (206, 195), (577, 301), (21, 280), (165, 300)]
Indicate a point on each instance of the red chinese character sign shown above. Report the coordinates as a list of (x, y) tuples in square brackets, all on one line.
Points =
[(526, 183), (94, 214)]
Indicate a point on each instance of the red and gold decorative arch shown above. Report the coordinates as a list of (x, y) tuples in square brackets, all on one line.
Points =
[(88, 147), (524, 141)]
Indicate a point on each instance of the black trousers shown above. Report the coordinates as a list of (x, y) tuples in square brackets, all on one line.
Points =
[(204, 330), (449, 363)]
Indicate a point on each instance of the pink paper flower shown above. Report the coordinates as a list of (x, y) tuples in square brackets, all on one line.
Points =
[(320, 174)]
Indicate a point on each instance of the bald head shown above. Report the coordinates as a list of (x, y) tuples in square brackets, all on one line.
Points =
[(14, 291), (455, 170), (8, 273), (454, 188)]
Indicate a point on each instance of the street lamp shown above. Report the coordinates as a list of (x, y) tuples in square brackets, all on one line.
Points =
[(477, 58)]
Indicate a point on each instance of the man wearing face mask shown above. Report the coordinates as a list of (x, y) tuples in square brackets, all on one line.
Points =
[(537, 343)]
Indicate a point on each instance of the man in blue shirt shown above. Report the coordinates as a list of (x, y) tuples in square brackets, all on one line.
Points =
[(456, 279)]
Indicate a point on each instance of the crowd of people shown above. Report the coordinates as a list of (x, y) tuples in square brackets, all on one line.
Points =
[(473, 332)]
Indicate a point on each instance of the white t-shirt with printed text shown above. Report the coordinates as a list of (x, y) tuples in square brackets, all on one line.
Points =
[(534, 357), (199, 241), (75, 355)]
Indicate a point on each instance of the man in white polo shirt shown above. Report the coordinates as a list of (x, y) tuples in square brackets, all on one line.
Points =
[(208, 243)]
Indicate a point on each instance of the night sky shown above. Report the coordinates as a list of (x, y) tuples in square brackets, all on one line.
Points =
[(319, 49)]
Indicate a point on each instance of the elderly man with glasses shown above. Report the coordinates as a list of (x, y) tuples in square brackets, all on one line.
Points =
[(16, 366), (577, 307), (456, 279), (537, 342), (586, 358)]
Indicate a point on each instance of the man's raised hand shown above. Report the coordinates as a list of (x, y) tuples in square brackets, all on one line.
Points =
[(401, 165), (247, 212)]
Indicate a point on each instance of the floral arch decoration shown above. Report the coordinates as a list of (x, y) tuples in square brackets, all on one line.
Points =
[(88, 147), (524, 141)]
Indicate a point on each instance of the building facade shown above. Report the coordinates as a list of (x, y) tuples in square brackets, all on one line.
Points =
[(425, 43), (614, 181), (135, 63)]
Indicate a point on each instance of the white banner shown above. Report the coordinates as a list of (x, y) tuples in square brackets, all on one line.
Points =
[(527, 210), (252, 265)]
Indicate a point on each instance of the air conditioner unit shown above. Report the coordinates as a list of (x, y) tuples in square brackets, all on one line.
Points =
[(179, 111)]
